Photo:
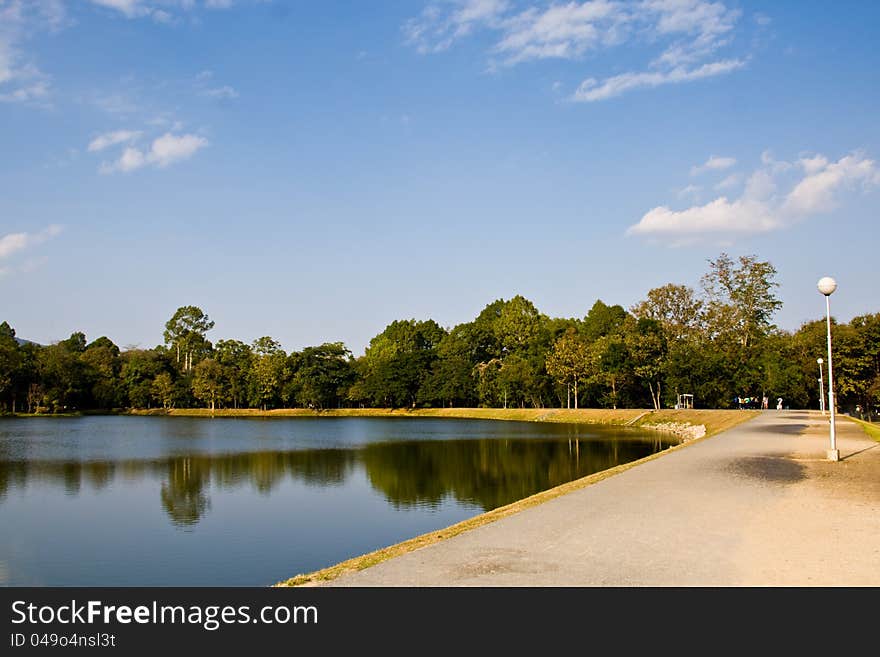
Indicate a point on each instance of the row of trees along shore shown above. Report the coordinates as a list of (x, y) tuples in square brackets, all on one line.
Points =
[(717, 344)]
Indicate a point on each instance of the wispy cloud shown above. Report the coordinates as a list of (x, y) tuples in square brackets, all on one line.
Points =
[(163, 152), (108, 139), (21, 80), (692, 191), (729, 181), (560, 31), (686, 34), (221, 92), (714, 163), (159, 10), (441, 24), (814, 185), (593, 90), (12, 243)]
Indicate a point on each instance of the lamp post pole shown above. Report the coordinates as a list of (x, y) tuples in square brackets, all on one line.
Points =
[(826, 286), (821, 387)]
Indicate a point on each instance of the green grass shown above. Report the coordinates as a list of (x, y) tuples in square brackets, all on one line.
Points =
[(871, 429), (713, 420)]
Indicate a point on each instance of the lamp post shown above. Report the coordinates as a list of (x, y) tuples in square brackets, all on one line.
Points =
[(826, 286), (821, 387)]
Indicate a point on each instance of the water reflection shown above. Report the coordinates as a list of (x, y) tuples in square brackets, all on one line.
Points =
[(421, 473)]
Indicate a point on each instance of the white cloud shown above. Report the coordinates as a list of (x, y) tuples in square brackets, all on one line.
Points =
[(108, 139), (817, 192), (130, 160), (718, 216), (690, 190), (131, 8), (21, 81), (158, 9), (437, 28), (760, 185), (592, 90), (562, 31), (730, 181), (223, 92), (813, 164), (169, 148), (13, 242), (164, 151), (762, 207), (687, 34), (714, 163), (31, 92)]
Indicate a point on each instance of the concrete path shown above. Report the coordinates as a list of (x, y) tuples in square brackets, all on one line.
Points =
[(757, 505)]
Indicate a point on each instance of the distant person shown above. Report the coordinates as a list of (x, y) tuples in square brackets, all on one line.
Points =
[(765, 403), (779, 404)]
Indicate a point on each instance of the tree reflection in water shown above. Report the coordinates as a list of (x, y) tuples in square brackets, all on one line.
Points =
[(484, 472)]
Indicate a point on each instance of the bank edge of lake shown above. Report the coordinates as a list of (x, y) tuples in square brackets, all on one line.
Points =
[(685, 423), (690, 425)]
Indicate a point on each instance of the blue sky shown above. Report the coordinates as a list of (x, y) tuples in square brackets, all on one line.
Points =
[(313, 171)]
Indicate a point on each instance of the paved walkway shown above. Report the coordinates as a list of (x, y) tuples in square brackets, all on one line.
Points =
[(757, 505)]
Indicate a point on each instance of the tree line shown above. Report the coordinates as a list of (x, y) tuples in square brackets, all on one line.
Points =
[(718, 344)]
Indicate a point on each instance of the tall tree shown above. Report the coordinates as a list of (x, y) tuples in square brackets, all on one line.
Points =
[(235, 357), (742, 296), (398, 361), (103, 366), (267, 372), (647, 348), (10, 366), (569, 361), (322, 375), (208, 382), (603, 320), (676, 307), (185, 334)]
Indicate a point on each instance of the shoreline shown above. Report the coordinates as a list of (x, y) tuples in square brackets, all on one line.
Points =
[(687, 424), (679, 422)]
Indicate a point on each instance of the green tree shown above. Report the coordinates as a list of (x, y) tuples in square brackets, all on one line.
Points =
[(185, 334), (323, 375), (140, 367), (603, 320), (267, 372), (676, 307), (518, 325), (398, 361), (10, 366), (569, 361), (208, 384), (236, 359), (608, 362), (62, 374), (741, 297), (452, 378), (103, 367), (162, 389), (647, 348)]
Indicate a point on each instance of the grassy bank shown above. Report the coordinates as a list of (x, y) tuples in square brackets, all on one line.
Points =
[(714, 422), (873, 430)]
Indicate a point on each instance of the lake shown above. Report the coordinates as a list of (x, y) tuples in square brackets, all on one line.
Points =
[(174, 501)]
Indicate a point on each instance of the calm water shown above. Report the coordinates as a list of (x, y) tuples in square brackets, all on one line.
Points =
[(152, 501)]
